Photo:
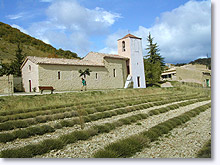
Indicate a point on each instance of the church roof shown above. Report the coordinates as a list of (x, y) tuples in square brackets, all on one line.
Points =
[(60, 61), (129, 36), (91, 59)]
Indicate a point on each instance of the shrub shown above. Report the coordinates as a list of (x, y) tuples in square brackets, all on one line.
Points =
[(125, 121), (5, 137), (119, 111), (102, 128), (143, 116), (81, 135), (51, 144), (105, 154), (67, 123), (162, 128), (92, 131), (205, 151), (90, 110), (154, 112), (58, 126), (68, 138), (100, 109), (35, 131), (177, 121), (47, 129), (41, 119), (127, 147), (86, 118), (21, 134)]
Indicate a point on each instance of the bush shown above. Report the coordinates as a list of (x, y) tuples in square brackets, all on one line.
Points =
[(102, 128), (5, 137), (67, 123), (51, 144), (68, 139), (21, 134), (81, 135), (205, 151), (105, 154), (126, 148), (162, 128), (35, 131), (47, 129), (154, 112), (125, 121)]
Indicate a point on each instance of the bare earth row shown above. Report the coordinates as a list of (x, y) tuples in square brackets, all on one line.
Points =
[(35, 139), (182, 142), (85, 149)]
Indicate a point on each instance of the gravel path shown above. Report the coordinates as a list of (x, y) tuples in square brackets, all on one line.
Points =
[(35, 139), (85, 149), (184, 141)]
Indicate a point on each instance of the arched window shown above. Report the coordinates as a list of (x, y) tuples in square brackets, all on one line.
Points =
[(123, 46)]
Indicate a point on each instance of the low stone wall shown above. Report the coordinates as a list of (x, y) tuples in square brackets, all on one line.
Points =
[(18, 87), (6, 84)]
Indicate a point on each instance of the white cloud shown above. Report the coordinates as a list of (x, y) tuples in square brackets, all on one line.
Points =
[(20, 28), (70, 25), (183, 34), (111, 42), (15, 16)]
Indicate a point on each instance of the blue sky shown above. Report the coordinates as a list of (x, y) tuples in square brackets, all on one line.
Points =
[(182, 28)]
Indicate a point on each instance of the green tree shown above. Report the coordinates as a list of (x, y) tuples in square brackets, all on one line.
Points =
[(16, 64), (153, 62), (85, 72), (6, 69)]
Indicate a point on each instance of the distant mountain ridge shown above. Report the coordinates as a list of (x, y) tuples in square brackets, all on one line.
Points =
[(10, 37)]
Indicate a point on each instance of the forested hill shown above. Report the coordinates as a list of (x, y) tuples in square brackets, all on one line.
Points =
[(203, 61), (10, 37)]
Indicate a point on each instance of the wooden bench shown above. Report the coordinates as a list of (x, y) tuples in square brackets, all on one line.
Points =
[(42, 88)]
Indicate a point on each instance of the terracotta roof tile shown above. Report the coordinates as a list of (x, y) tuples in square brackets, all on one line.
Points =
[(62, 61), (130, 36), (91, 59)]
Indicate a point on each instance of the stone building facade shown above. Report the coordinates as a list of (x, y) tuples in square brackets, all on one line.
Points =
[(108, 70), (189, 73)]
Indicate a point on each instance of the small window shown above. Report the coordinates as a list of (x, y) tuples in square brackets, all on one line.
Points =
[(29, 67), (96, 76), (59, 75), (114, 73), (123, 46), (138, 81)]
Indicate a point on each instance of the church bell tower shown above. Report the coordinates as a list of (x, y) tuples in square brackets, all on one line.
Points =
[(130, 46)]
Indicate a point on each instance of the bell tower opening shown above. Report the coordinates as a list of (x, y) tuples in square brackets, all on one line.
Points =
[(123, 46)]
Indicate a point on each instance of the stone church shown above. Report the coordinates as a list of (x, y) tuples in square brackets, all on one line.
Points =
[(108, 70)]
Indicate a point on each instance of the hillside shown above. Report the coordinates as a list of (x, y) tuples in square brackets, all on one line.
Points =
[(203, 61), (10, 37)]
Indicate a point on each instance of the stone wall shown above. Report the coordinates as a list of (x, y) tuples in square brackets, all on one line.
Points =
[(100, 78), (6, 84), (30, 76), (18, 86)]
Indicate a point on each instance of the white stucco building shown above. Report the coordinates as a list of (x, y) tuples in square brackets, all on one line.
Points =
[(108, 70)]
